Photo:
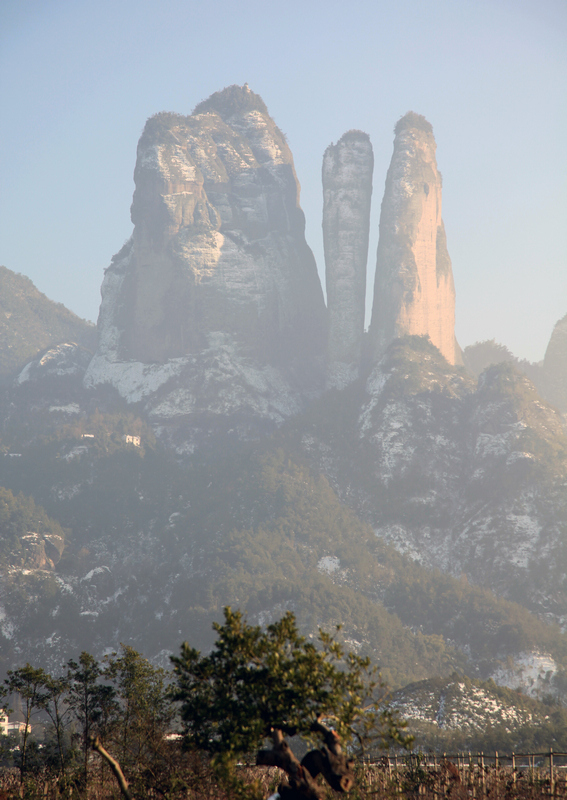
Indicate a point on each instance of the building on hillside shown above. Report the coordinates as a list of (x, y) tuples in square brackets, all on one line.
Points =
[(129, 439), (7, 727)]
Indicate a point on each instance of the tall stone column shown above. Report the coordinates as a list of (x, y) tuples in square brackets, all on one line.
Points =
[(347, 190), (414, 291)]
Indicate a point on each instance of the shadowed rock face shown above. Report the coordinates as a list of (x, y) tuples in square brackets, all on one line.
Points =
[(217, 262), (347, 191), (413, 291), (555, 367)]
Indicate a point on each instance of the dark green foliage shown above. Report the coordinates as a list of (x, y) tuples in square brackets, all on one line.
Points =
[(470, 615), (92, 703), (535, 738), (255, 680), (26, 682), (354, 135), (52, 700), (480, 355), (142, 714), (230, 101), (123, 701), (285, 520), (413, 120), (20, 516)]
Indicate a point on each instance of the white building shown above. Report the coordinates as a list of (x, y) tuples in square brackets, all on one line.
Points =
[(129, 439)]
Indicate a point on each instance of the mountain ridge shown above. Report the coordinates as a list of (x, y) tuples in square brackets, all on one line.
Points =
[(232, 441)]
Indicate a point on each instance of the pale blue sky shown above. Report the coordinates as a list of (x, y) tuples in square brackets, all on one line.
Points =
[(80, 77)]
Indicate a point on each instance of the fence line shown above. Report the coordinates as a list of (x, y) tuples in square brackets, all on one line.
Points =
[(478, 767)]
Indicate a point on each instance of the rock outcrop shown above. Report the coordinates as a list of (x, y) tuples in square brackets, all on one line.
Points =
[(64, 360), (347, 191), (413, 291), (464, 478), (555, 366), (217, 285)]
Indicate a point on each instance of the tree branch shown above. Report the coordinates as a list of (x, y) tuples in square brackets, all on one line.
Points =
[(330, 760), (301, 782), (114, 766)]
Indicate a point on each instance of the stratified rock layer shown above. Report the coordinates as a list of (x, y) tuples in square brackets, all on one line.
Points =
[(347, 191), (217, 266), (414, 291)]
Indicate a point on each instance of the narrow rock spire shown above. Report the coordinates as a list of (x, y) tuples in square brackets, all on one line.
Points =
[(414, 291), (347, 190)]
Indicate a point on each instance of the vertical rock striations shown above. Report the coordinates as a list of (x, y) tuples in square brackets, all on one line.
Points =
[(347, 190), (413, 291), (217, 289)]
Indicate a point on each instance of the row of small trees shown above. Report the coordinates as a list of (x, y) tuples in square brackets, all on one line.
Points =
[(256, 687), (123, 699)]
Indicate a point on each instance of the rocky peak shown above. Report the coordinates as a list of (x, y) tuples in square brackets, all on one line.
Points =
[(414, 291), (347, 191), (555, 366), (232, 101), (217, 263)]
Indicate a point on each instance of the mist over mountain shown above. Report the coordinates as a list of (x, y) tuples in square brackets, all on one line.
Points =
[(231, 440)]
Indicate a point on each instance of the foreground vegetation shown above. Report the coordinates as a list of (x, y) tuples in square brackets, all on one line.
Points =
[(255, 686), (195, 779)]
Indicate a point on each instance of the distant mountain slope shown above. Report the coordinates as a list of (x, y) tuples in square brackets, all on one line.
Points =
[(30, 323), (456, 714), (468, 479), (157, 548)]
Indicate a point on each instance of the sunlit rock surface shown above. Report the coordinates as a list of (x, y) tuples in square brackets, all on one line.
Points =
[(347, 191), (217, 286), (414, 291), (68, 359)]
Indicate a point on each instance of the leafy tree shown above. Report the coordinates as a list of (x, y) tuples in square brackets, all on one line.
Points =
[(27, 682), (257, 684), (143, 711), (52, 699), (90, 701)]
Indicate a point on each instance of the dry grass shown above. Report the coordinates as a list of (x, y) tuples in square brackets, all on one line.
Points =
[(195, 781)]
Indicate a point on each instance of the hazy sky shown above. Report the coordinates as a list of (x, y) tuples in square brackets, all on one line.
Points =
[(80, 77)]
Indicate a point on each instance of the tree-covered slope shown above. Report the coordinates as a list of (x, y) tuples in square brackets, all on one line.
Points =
[(158, 548), (457, 714), (30, 323), (466, 478)]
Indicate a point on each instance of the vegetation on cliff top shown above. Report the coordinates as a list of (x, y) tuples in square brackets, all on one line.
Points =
[(413, 120)]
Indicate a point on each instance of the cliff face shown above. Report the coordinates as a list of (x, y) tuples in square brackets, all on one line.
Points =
[(413, 291), (554, 379), (217, 267), (347, 190)]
